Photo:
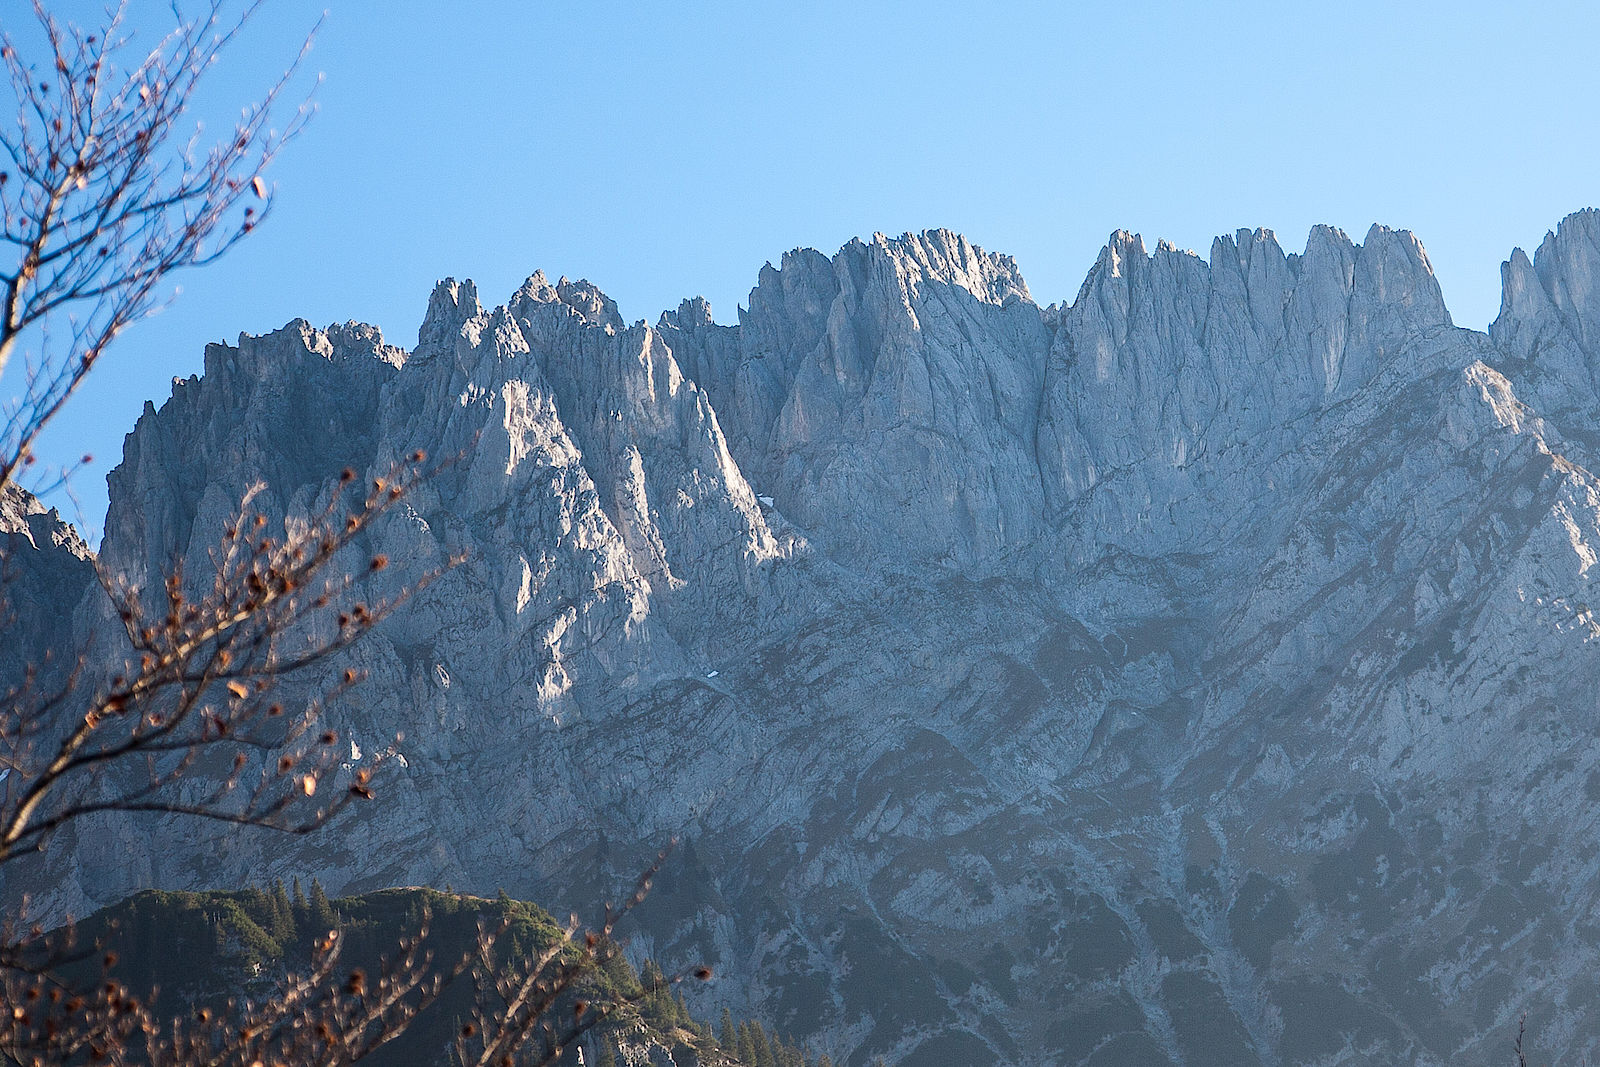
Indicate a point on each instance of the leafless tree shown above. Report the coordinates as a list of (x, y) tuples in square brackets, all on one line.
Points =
[(198, 683), (102, 198), (516, 1016)]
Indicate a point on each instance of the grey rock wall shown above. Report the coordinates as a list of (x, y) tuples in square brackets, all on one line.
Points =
[(1200, 672)]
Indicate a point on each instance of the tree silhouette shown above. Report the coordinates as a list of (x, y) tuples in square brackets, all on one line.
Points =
[(103, 197)]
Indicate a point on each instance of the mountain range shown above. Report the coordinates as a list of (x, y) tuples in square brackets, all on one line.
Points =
[(1201, 671)]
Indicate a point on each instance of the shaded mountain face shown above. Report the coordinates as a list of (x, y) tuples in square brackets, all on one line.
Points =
[(1202, 672)]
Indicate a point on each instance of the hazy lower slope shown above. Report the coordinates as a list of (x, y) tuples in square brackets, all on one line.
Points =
[(1200, 672)]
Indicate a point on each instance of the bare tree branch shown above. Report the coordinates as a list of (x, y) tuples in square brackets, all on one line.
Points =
[(99, 204), (183, 712)]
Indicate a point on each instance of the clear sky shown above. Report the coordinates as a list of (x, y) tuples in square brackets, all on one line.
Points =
[(664, 150)]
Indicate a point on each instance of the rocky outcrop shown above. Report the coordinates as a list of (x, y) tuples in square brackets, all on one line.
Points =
[(1198, 672), (45, 569), (886, 396)]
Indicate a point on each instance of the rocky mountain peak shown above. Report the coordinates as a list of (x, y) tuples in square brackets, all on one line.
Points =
[(596, 308), (948, 258), (46, 569), (1392, 270), (25, 516), (1198, 672), (1549, 322), (451, 304), (593, 308), (1561, 278), (691, 314), (1522, 292)]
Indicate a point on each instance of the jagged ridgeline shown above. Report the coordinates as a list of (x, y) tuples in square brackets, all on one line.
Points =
[(1198, 672)]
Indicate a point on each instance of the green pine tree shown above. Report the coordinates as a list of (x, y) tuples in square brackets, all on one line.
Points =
[(321, 911), (747, 1044), (257, 905), (728, 1037), (656, 1005), (764, 1054), (282, 913), (608, 1054)]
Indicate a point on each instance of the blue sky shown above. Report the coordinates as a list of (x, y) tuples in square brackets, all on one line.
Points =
[(666, 150)]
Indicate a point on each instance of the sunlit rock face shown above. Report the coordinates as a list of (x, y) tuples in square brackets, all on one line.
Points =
[(1198, 672)]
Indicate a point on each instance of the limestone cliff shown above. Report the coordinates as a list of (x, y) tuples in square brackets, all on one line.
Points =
[(1199, 672)]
